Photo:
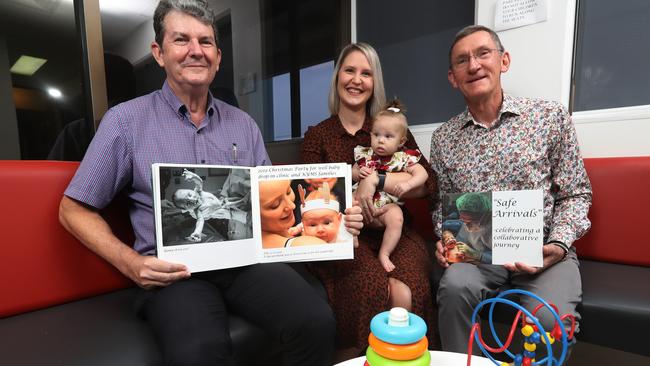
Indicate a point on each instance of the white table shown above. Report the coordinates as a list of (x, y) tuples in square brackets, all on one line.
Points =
[(438, 358)]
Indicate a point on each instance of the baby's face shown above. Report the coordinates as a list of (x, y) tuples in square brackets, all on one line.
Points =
[(322, 223), (187, 199), (386, 136)]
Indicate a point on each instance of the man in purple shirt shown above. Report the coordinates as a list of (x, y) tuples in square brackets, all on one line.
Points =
[(183, 123)]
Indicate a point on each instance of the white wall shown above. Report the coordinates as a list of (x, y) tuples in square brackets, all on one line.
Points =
[(541, 67), (247, 51), (137, 46), (540, 52)]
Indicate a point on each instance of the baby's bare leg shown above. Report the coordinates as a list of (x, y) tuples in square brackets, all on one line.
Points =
[(392, 220), (399, 294)]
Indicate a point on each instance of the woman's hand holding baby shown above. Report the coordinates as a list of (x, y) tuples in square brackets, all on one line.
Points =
[(353, 219)]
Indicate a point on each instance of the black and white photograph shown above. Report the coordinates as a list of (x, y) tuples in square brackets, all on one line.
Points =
[(205, 205)]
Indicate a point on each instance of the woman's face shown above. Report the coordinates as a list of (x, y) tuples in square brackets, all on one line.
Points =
[(355, 81), (276, 206)]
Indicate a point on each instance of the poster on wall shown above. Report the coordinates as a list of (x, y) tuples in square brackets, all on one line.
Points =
[(518, 13)]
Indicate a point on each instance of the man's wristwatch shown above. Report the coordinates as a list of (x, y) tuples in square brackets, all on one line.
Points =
[(382, 181)]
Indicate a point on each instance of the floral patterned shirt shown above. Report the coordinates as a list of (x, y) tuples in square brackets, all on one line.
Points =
[(532, 145), (365, 156), (397, 162)]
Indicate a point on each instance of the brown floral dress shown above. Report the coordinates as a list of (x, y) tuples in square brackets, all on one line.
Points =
[(358, 289)]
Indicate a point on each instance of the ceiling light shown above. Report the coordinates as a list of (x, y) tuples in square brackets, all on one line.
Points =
[(27, 65), (54, 92)]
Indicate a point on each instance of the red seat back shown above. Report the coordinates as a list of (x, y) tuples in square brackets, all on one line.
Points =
[(42, 264), (620, 211)]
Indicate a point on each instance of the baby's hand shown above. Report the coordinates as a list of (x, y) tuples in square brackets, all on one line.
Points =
[(194, 237), (402, 188), (188, 174), (386, 262), (295, 231), (365, 171), (469, 252)]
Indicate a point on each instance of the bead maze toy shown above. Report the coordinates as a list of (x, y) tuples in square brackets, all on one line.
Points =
[(531, 328), (397, 338)]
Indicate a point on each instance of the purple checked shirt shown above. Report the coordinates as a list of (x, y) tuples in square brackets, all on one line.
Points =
[(156, 128)]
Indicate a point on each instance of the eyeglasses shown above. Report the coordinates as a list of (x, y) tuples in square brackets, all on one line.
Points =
[(462, 62)]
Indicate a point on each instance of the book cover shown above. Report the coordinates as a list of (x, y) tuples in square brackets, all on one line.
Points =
[(496, 227), (211, 217)]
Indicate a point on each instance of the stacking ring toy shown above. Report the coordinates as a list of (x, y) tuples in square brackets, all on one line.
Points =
[(398, 352), (412, 333), (376, 360)]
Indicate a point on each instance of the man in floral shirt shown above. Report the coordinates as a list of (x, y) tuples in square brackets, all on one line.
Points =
[(502, 142)]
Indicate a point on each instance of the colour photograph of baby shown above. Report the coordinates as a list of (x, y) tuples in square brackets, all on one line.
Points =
[(320, 213)]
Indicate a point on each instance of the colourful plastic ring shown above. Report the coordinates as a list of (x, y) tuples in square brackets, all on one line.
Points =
[(398, 352), (376, 360), (412, 333)]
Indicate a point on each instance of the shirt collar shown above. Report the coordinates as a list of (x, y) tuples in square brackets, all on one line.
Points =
[(178, 106), (508, 107)]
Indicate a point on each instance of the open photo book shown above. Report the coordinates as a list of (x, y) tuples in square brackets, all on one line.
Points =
[(495, 227), (213, 216)]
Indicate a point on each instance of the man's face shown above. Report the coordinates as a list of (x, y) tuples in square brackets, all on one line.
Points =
[(479, 77), (189, 53)]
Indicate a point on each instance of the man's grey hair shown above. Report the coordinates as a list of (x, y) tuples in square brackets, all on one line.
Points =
[(199, 9), (378, 99), (471, 29)]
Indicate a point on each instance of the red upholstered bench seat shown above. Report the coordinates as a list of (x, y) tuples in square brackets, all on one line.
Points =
[(44, 265), (60, 304)]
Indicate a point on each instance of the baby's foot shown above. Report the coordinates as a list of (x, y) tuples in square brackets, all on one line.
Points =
[(386, 263)]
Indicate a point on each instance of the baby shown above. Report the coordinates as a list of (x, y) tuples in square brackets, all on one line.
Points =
[(387, 154), (320, 214), (200, 204)]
